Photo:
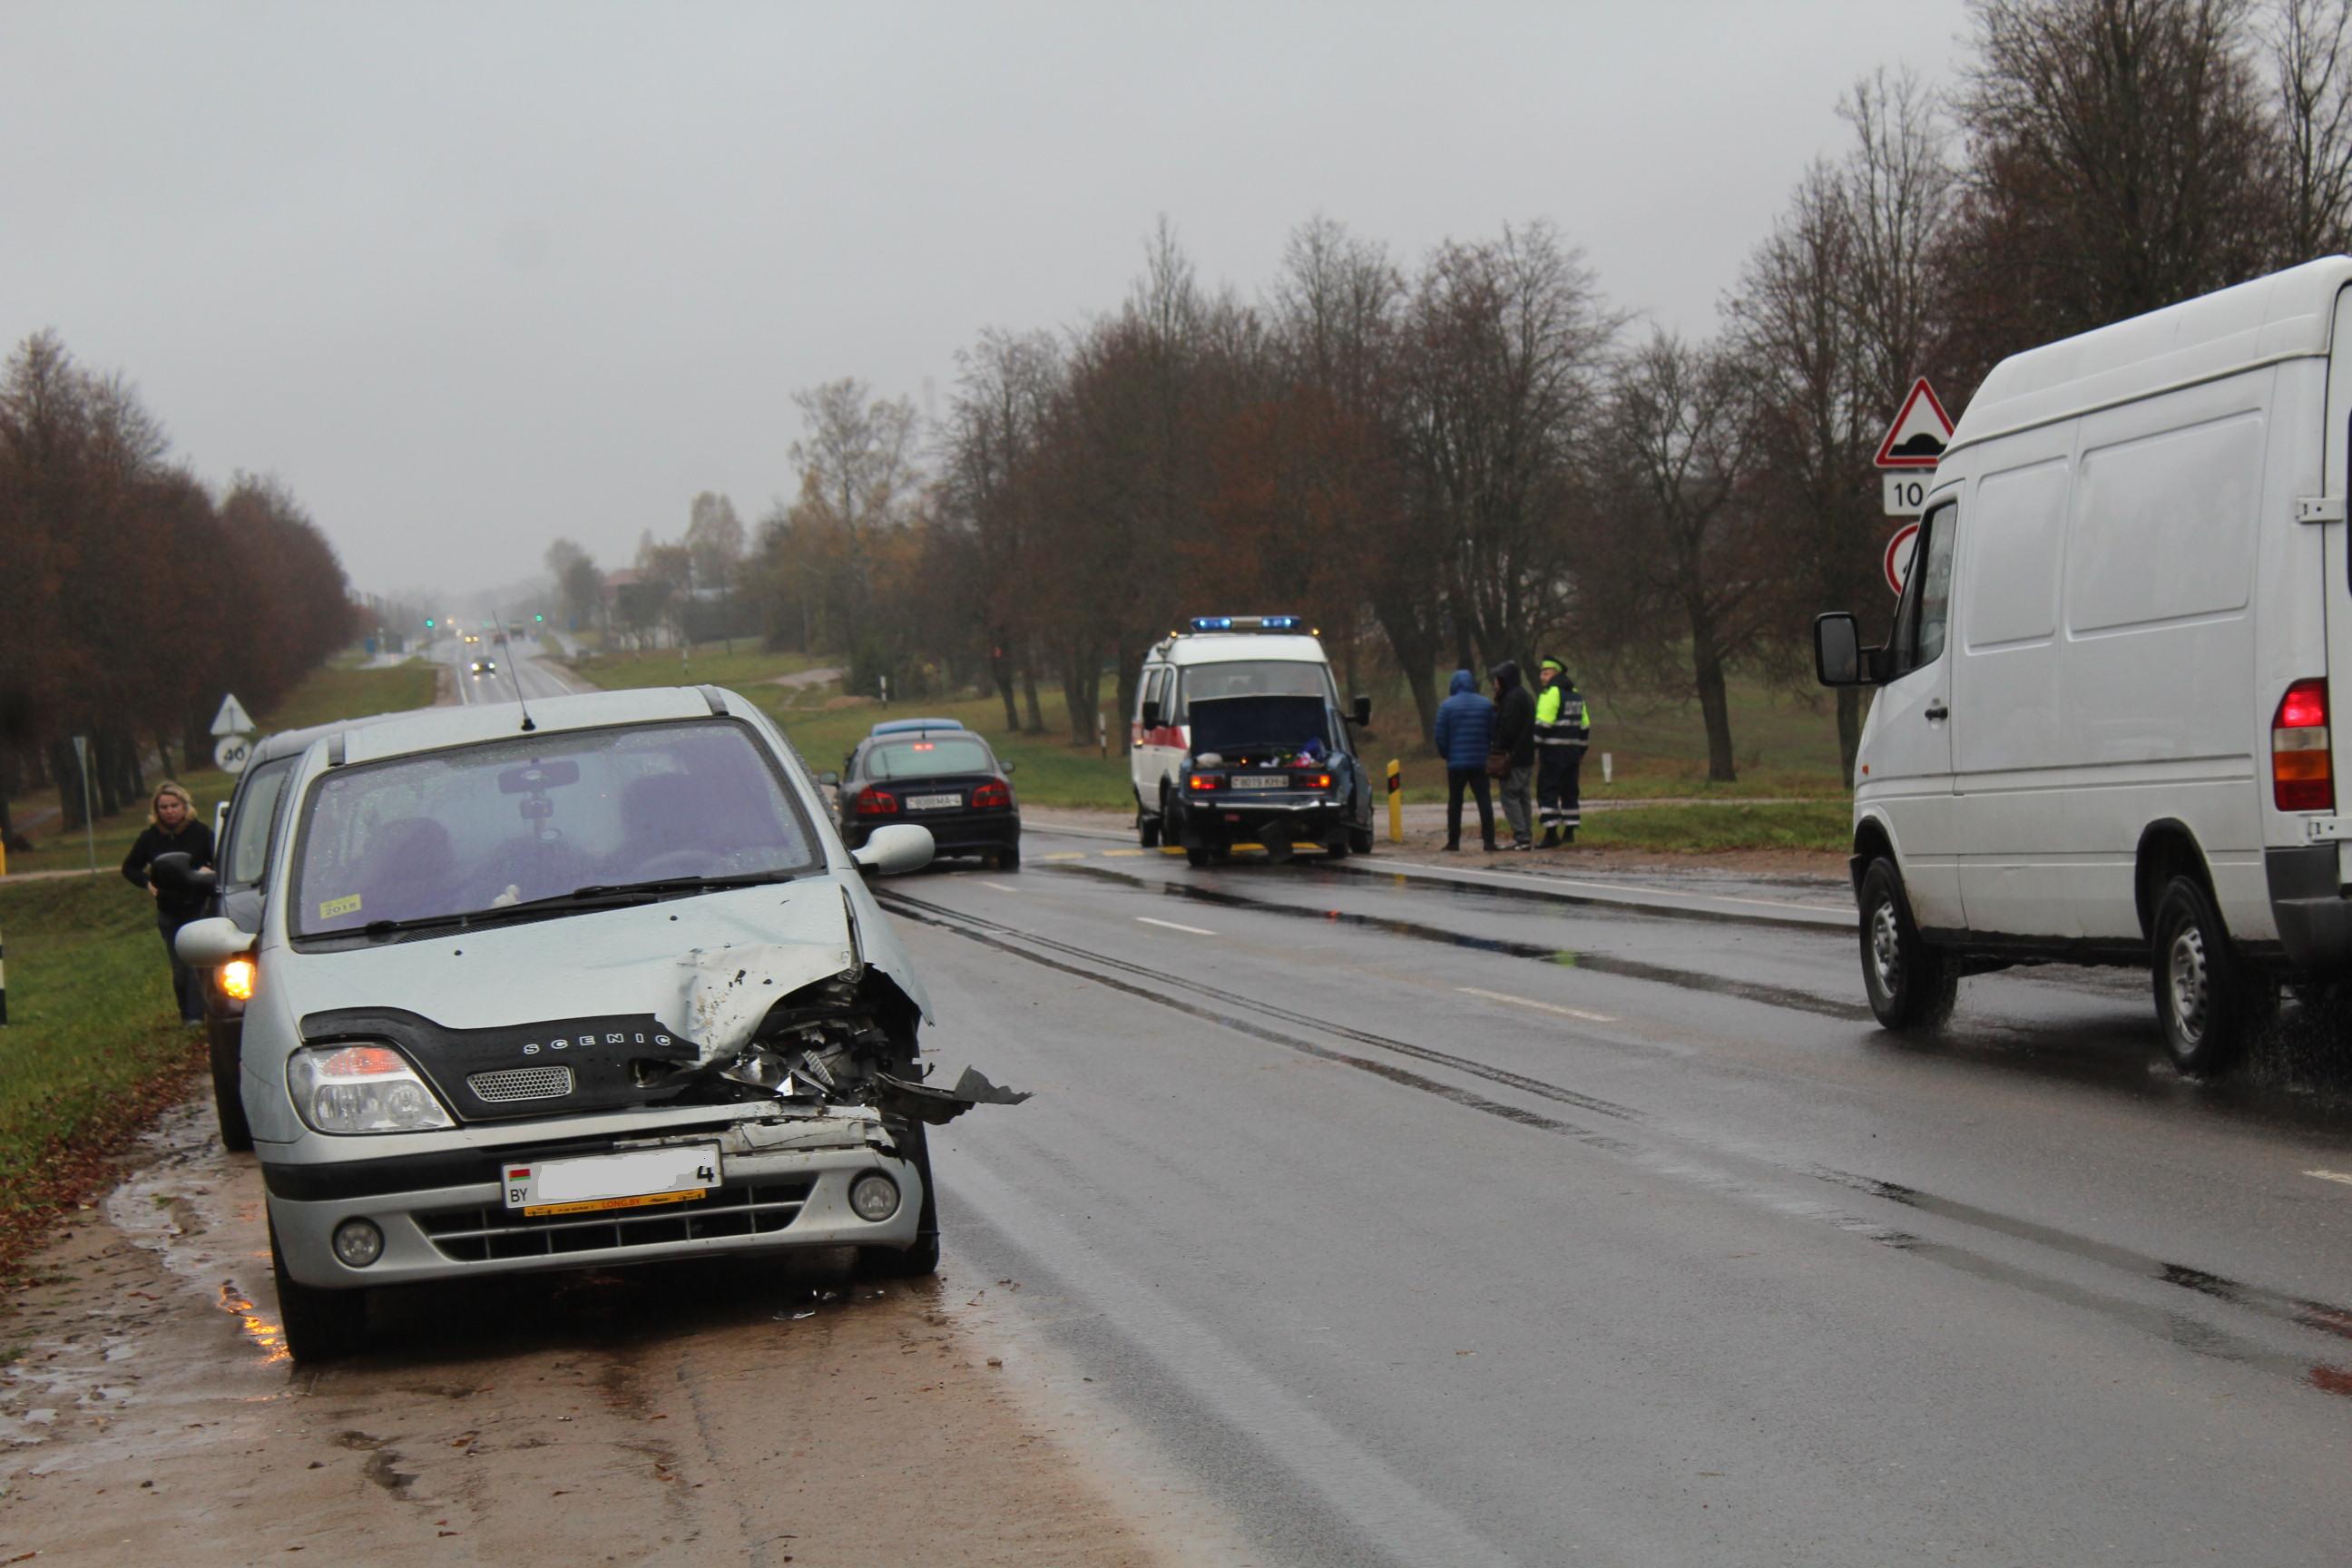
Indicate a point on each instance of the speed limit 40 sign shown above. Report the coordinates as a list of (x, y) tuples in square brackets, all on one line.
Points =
[(232, 753)]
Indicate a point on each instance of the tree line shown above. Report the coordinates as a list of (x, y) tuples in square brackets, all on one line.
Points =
[(1479, 457), (131, 596)]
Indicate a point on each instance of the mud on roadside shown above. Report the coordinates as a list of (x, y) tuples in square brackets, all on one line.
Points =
[(741, 1412)]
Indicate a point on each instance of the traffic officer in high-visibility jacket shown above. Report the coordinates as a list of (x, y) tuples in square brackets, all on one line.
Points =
[(1563, 730)]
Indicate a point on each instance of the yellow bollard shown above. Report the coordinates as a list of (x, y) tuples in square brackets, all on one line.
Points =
[(1396, 801)]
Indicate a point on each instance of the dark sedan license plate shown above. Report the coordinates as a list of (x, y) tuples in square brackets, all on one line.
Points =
[(1262, 780), (933, 801)]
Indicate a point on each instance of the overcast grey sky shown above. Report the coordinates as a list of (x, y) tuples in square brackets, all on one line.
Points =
[(471, 277)]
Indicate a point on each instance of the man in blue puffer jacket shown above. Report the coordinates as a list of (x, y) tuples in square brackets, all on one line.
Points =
[(1464, 734)]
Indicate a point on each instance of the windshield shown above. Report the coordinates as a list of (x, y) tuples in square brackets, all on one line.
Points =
[(480, 827), (246, 853), (924, 759), (1257, 678)]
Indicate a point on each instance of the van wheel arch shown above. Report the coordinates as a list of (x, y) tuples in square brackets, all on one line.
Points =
[(1871, 842), (2167, 849)]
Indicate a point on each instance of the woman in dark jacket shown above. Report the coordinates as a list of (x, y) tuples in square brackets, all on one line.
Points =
[(174, 831), (1463, 735)]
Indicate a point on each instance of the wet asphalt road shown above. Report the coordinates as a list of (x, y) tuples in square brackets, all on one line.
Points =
[(1423, 1226)]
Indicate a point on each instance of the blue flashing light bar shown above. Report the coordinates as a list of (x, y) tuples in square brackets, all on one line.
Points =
[(1248, 623)]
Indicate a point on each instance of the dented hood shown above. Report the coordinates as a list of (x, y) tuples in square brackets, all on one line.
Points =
[(707, 967)]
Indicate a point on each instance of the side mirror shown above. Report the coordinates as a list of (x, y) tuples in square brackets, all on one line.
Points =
[(176, 874), (1838, 658), (1006, 763), (1361, 715), (209, 944), (901, 847), (1151, 715), (829, 780)]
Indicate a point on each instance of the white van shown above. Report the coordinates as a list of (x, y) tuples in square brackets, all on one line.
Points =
[(2102, 733), (1218, 656)]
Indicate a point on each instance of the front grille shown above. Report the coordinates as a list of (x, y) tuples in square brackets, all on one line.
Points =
[(510, 1084), (482, 1235)]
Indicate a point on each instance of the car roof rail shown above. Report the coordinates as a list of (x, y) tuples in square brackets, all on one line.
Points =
[(716, 697)]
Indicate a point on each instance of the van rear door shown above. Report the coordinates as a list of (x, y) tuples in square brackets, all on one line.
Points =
[(2337, 577)]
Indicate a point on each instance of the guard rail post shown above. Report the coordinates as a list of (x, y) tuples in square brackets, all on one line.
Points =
[(1396, 801)]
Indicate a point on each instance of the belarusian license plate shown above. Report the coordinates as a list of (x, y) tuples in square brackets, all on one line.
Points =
[(1262, 780), (932, 802), (640, 1178)]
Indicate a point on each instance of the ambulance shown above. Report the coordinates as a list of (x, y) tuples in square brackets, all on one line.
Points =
[(1220, 656)]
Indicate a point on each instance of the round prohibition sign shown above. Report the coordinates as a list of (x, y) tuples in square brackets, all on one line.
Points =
[(1897, 563), (232, 753)]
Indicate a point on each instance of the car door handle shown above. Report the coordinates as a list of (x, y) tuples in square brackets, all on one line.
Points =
[(1935, 713)]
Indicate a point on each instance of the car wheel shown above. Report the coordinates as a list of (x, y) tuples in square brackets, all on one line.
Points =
[(1338, 848), (1197, 856), (1911, 986), (1360, 840), (320, 1325), (2209, 1002), (1147, 828), (922, 1258), (1009, 858), (228, 1094)]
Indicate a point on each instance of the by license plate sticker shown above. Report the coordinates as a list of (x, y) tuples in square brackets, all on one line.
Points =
[(1262, 780), (637, 1179), (932, 802)]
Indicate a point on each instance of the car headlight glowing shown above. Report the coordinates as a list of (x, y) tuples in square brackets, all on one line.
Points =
[(237, 979), (361, 1089)]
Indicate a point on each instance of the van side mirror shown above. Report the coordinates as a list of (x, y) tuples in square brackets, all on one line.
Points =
[(176, 874), (1839, 658), (1151, 715), (1361, 715)]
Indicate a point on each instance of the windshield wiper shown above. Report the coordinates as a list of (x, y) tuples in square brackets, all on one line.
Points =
[(674, 885), (596, 895)]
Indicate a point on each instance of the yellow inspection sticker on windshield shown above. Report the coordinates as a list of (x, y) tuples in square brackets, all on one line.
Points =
[(335, 908)]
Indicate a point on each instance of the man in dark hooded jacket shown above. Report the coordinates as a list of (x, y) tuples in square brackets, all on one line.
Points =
[(1463, 735), (1515, 740)]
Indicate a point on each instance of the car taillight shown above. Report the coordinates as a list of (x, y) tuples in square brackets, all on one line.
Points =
[(872, 802), (1201, 781), (2303, 776), (1319, 781), (991, 795)]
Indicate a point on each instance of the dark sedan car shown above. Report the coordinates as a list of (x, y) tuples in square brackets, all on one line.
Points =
[(1274, 770), (946, 780)]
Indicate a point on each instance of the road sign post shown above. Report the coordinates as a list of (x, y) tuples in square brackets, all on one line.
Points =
[(88, 829)]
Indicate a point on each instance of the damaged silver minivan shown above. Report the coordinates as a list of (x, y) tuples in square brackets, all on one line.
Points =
[(587, 984)]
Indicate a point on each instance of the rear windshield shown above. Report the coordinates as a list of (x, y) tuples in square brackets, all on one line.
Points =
[(246, 856), (1257, 678), (475, 827), (927, 758)]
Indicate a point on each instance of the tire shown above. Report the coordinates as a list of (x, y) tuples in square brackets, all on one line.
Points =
[(1338, 848), (1147, 828), (922, 1259), (1911, 986), (2207, 1002), (1009, 858), (1360, 840), (320, 1325), (228, 1093), (1197, 856)]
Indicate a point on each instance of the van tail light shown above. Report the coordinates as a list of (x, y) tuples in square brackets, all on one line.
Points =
[(2303, 775), (873, 802), (992, 795)]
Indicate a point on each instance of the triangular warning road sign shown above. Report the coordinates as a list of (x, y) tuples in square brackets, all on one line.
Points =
[(1917, 437), (232, 719)]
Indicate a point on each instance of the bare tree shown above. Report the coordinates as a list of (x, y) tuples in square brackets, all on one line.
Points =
[(2310, 63), (1688, 548)]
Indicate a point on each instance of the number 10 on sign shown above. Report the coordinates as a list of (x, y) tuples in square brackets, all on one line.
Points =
[(1907, 494)]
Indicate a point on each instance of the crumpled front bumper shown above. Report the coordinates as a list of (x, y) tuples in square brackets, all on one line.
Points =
[(783, 1182)]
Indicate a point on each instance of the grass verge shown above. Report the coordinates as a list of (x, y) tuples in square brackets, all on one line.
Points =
[(1705, 828), (92, 1050)]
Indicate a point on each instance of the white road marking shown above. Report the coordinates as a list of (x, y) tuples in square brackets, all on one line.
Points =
[(1539, 1006), (1172, 925), (1000, 886), (2332, 1176)]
